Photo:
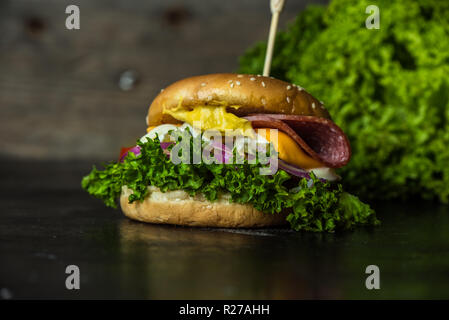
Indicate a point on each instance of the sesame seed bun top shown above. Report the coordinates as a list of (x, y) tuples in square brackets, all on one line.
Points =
[(253, 93)]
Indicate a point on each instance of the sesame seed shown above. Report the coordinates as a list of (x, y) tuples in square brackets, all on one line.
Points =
[(209, 97), (252, 79), (263, 84), (259, 75), (263, 101), (238, 83), (162, 90), (240, 76), (229, 81), (300, 88), (232, 85), (288, 99), (271, 77), (313, 105), (321, 102), (203, 84), (289, 87)]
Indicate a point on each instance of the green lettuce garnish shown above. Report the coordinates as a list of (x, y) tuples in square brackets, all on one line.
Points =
[(388, 89), (314, 205)]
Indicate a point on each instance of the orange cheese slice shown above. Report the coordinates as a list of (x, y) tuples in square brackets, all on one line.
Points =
[(289, 151)]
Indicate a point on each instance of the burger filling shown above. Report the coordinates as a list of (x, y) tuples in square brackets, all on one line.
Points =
[(213, 117), (302, 188)]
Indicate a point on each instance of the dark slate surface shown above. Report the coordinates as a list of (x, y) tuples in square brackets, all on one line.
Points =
[(47, 222)]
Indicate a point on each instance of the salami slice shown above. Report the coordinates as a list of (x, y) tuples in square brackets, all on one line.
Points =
[(322, 139)]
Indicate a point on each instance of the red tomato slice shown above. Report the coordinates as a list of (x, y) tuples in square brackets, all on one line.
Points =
[(123, 152)]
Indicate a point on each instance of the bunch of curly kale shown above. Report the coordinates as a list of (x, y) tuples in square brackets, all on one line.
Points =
[(388, 89)]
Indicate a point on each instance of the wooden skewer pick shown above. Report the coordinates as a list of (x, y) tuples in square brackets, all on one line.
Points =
[(276, 8)]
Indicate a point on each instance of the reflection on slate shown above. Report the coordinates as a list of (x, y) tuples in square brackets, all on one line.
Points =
[(47, 222)]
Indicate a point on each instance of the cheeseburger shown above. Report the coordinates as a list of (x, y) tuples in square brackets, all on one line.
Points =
[(243, 124)]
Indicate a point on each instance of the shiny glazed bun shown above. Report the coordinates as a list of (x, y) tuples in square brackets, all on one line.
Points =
[(253, 93)]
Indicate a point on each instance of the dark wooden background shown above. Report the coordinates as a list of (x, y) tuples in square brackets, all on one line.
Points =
[(59, 92)]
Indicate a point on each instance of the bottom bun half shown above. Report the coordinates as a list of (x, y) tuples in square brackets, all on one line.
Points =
[(178, 208)]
